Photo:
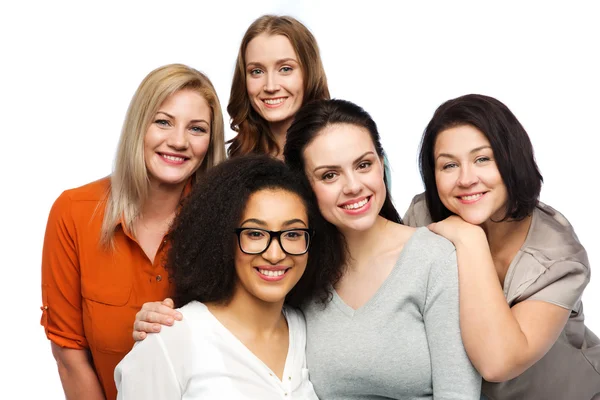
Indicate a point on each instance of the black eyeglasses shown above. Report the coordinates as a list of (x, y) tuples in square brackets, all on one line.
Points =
[(294, 242)]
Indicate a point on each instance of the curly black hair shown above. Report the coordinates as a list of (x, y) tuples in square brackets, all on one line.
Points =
[(201, 259)]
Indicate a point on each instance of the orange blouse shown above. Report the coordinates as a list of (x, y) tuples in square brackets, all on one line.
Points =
[(91, 294)]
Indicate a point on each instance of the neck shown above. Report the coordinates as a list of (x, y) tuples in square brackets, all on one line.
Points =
[(363, 245), (162, 201), (279, 130), (506, 236), (252, 315)]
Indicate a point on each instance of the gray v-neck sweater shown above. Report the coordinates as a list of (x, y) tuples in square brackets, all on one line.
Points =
[(404, 343)]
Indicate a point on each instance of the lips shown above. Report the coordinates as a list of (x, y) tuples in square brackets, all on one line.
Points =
[(470, 198), (272, 274), (173, 158)]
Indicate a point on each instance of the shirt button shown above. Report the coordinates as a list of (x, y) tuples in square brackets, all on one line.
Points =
[(158, 278), (290, 378)]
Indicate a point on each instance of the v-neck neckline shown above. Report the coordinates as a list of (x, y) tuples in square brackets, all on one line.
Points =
[(352, 312), (238, 343)]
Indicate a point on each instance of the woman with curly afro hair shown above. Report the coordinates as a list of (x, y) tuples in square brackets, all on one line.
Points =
[(248, 240)]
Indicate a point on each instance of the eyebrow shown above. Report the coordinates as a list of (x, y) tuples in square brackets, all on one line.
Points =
[(280, 61), (475, 150), (264, 224), (193, 121), (338, 166)]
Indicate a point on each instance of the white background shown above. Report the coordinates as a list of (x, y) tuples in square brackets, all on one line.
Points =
[(68, 71)]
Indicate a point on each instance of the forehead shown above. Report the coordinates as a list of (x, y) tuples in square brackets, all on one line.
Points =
[(186, 101), (265, 48), (460, 139), (338, 144), (275, 205)]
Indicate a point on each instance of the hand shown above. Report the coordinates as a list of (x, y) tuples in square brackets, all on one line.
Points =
[(455, 229), (152, 315)]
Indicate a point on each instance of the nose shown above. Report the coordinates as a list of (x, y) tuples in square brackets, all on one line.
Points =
[(272, 83), (352, 184), (274, 253), (178, 138), (467, 176)]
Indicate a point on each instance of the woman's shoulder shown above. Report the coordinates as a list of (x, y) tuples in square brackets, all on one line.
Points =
[(93, 191), (417, 213), (431, 245), (552, 238)]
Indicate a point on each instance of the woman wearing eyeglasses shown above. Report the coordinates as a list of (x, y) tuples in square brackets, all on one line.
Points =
[(240, 250)]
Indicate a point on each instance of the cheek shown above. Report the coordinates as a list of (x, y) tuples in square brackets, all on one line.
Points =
[(253, 86), (200, 145), (325, 197)]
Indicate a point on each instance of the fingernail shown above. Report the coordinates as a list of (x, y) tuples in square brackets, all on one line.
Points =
[(178, 316), (169, 321), (156, 328)]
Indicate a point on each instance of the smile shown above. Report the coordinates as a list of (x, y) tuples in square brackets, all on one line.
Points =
[(356, 205), (470, 198), (274, 102), (171, 159), (271, 275)]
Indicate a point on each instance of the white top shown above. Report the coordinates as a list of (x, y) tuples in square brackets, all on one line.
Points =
[(198, 358)]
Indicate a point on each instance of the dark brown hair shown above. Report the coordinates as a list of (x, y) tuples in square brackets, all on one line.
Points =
[(509, 141)]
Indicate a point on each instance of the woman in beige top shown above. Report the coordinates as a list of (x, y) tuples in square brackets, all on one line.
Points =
[(522, 270)]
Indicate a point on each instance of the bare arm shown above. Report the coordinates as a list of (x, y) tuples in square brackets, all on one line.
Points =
[(502, 342), (77, 374), (152, 315)]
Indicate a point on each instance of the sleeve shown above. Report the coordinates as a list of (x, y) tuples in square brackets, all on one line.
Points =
[(453, 375), (417, 213), (147, 373), (561, 284), (61, 280)]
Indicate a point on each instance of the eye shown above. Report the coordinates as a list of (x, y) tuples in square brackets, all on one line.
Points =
[(449, 166), (254, 234), (162, 122), (198, 130), (482, 159), (286, 69), (364, 164), (328, 176), (255, 71), (294, 235)]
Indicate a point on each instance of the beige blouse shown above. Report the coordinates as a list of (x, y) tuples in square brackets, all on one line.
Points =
[(551, 266)]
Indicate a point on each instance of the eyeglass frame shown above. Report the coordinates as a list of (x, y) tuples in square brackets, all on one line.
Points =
[(276, 234)]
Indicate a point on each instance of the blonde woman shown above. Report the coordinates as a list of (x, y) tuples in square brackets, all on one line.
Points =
[(105, 241)]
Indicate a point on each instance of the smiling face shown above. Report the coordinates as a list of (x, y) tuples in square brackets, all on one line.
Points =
[(270, 276), (177, 140), (274, 79), (467, 177), (346, 175)]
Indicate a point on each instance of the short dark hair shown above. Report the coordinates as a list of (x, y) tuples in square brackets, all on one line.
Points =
[(509, 141), (201, 259), (316, 115)]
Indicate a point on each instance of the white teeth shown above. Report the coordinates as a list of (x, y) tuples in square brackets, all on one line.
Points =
[(472, 197), (269, 272), (356, 205), (173, 158), (272, 102)]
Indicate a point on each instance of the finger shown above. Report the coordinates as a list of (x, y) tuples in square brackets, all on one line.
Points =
[(145, 327), (154, 310), (168, 302), (139, 336)]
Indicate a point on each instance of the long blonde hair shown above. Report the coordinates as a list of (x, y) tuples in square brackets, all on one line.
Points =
[(129, 180), (253, 133)]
